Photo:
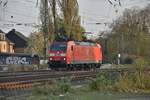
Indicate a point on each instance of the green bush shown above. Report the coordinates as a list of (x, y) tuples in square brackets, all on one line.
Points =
[(64, 84), (60, 86), (140, 78), (137, 81), (140, 63), (45, 89), (124, 84), (103, 81), (128, 60)]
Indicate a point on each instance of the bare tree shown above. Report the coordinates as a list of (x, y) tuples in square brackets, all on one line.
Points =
[(130, 33)]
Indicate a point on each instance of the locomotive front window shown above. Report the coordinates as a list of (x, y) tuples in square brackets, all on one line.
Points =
[(58, 47)]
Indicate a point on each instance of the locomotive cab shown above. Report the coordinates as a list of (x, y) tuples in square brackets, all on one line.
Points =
[(57, 54)]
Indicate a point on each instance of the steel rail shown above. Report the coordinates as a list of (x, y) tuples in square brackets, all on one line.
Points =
[(28, 79)]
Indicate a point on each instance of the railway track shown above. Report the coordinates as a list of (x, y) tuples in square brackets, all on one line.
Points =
[(12, 82), (24, 81)]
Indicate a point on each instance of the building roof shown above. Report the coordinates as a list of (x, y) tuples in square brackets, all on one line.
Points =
[(1, 31), (6, 39), (17, 38)]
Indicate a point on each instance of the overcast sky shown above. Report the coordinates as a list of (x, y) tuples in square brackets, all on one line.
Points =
[(101, 11), (23, 14), (19, 14)]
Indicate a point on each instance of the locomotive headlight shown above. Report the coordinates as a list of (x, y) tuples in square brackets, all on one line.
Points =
[(50, 59), (62, 54), (51, 54)]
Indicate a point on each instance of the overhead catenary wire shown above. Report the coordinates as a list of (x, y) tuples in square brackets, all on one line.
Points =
[(91, 19), (9, 16), (20, 14)]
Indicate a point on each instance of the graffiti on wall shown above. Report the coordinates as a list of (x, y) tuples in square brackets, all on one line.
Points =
[(15, 60)]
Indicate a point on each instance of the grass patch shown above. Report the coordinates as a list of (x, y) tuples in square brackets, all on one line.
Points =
[(83, 96), (136, 82), (104, 84), (57, 87)]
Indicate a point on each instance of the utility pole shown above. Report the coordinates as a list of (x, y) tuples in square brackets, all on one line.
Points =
[(45, 28)]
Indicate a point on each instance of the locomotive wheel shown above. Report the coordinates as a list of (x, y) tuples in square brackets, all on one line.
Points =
[(83, 67), (69, 67), (98, 66), (87, 67), (74, 68), (90, 66), (78, 67), (94, 67)]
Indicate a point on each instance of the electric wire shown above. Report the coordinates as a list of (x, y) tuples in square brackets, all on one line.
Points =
[(14, 13)]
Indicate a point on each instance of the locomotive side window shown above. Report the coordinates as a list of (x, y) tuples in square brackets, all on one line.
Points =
[(72, 48), (58, 47)]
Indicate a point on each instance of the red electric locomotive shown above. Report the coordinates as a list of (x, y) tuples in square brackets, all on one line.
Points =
[(74, 55)]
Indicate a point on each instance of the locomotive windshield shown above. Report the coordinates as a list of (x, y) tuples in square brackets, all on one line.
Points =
[(58, 47)]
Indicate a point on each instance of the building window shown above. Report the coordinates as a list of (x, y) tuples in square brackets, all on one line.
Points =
[(4, 47), (2, 36), (0, 48)]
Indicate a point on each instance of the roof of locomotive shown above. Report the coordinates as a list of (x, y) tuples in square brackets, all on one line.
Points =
[(84, 43)]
